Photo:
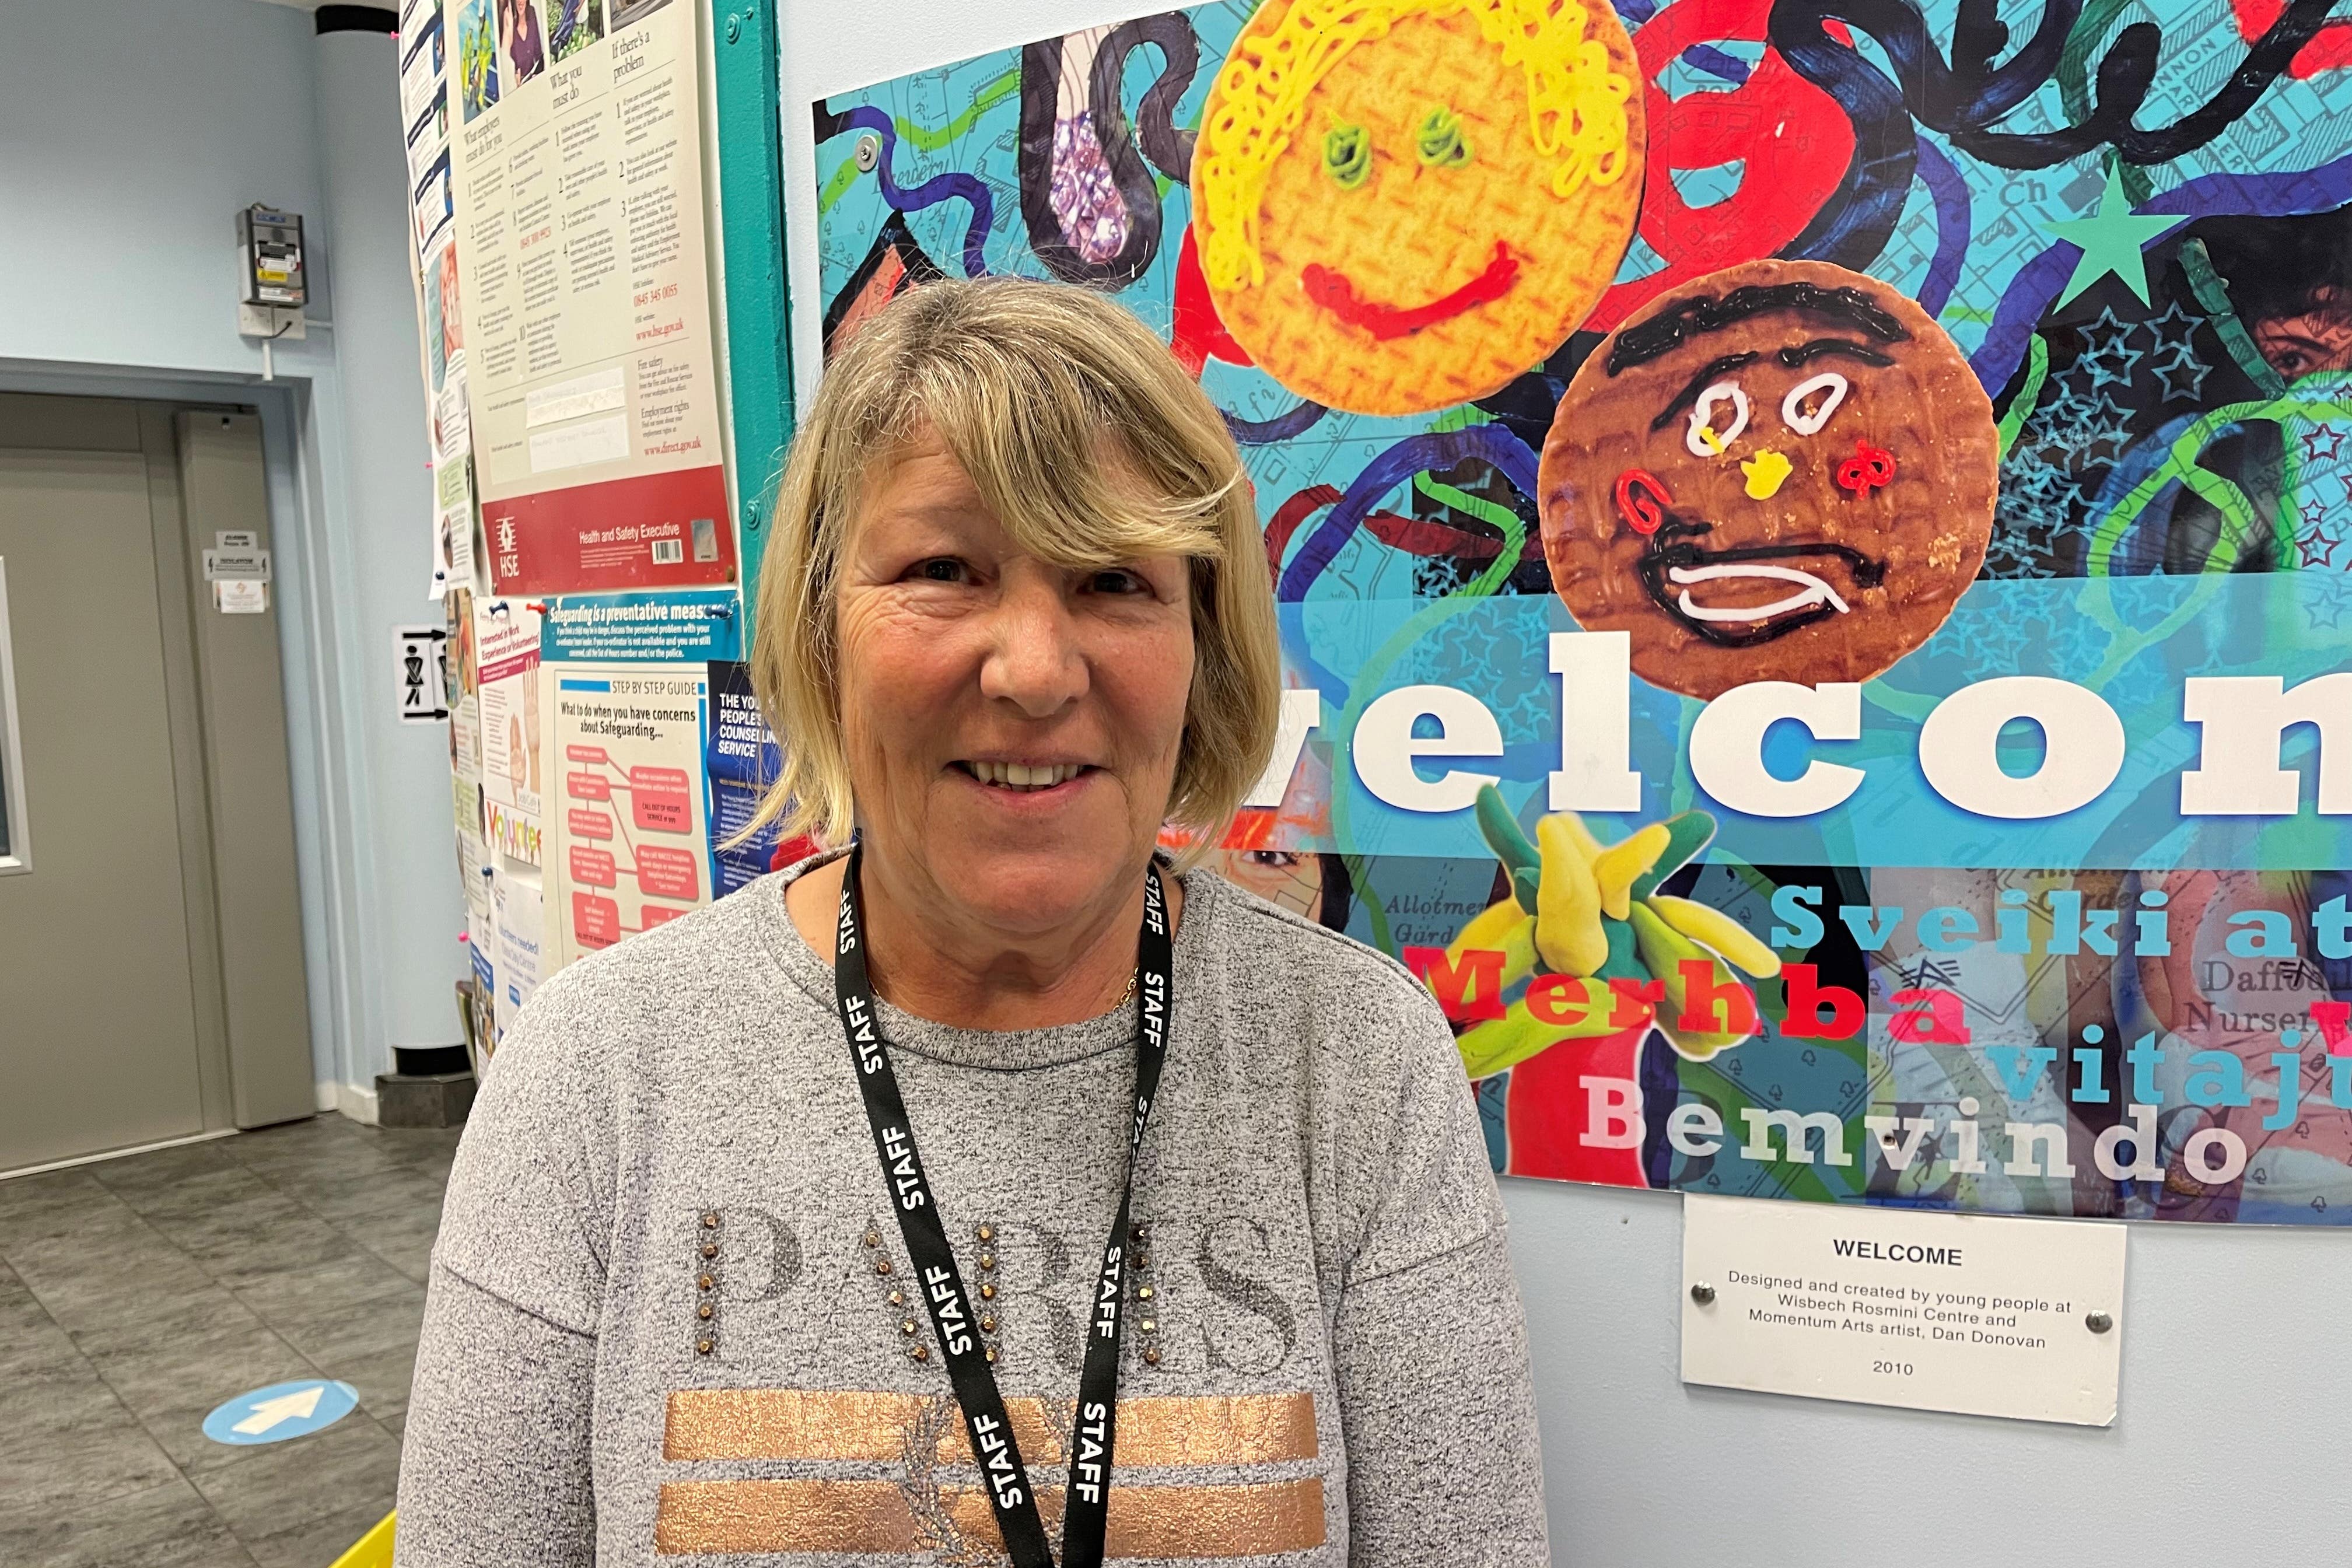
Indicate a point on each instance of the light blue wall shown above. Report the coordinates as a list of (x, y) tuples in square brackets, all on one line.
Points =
[(131, 133), (2237, 1387), (414, 890), (134, 131), (2226, 1453)]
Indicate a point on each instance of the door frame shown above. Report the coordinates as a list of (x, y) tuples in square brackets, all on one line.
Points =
[(319, 656)]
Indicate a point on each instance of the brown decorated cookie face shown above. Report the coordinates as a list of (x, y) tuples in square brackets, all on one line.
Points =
[(1785, 471)]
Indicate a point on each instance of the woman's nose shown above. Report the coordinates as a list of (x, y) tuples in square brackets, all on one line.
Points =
[(1034, 658)]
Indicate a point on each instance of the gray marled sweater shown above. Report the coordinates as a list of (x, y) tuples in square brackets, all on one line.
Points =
[(670, 1314)]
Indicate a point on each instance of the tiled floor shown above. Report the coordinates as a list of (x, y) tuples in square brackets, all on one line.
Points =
[(137, 1294)]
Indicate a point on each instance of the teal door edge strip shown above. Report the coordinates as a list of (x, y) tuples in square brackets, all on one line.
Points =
[(758, 303)]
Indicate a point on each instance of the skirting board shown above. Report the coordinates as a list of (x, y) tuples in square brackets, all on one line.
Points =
[(120, 1154), (359, 1104)]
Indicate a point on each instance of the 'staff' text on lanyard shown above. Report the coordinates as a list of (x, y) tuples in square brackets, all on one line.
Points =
[(1085, 1511)]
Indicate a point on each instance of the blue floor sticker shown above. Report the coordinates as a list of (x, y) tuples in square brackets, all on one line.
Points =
[(282, 1410)]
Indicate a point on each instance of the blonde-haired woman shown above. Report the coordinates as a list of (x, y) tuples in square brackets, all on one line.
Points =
[(985, 1188)]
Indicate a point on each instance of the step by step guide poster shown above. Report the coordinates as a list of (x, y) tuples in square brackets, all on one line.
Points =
[(628, 690)]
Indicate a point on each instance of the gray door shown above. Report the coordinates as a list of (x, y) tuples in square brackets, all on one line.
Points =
[(150, 945), (98, 1007)]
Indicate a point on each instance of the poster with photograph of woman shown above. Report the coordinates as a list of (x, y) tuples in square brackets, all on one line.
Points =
[(522, 40)]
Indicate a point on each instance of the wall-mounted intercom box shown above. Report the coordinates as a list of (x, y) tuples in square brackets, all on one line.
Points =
[(273, 257)]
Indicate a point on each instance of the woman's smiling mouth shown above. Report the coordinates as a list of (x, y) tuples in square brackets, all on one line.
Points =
[(1024, 778)]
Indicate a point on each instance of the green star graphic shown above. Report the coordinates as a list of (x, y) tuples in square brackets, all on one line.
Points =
[(2110, 241)]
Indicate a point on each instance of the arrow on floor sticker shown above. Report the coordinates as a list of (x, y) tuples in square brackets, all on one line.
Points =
[(285, 1408), (281, 1411)]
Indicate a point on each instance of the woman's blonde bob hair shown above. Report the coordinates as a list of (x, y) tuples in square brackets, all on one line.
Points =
[(1091, 444)]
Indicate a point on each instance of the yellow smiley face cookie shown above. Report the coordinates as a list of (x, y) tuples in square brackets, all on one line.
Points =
[(1402, 205)]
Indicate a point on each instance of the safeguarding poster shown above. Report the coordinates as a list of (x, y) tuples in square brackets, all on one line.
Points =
[(1819, 563), (578, 190), (629, 714)]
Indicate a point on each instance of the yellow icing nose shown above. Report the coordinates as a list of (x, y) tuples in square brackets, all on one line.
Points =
[(1765, 472)]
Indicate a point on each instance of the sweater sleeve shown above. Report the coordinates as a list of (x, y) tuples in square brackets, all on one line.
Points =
[(494, 1465), (1430, 1349), (1443, 1459), (496, 1460)]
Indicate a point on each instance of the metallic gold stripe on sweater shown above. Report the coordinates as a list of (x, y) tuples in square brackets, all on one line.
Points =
[(700, 1518), (853, 1424)]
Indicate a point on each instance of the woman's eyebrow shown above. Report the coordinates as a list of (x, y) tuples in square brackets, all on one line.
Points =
[(1843, 348), (1698, 383)]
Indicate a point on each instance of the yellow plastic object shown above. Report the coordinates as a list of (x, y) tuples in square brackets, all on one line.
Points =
[(372, 1550), (1619, 867), (1569, 934)]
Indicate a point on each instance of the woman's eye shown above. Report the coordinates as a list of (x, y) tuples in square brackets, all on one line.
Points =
[(940, 569), (1115, 580)]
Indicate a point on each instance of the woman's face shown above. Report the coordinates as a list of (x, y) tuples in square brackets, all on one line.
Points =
[(1011, 725), (2318, 339)]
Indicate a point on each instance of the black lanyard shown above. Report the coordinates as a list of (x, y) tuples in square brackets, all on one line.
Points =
[(1086, 1507)]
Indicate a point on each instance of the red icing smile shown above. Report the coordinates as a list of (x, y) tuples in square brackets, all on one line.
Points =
[(1332, 290)]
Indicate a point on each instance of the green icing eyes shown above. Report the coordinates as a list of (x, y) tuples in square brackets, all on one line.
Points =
[(1348, 156), (1438, 140)]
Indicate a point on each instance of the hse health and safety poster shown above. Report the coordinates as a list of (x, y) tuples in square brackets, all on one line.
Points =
[(574, 173), (1815, 533)]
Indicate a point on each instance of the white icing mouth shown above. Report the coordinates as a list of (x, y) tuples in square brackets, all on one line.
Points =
[(1812, 592)]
